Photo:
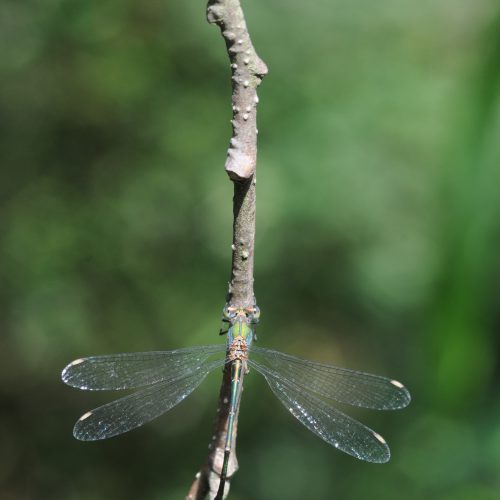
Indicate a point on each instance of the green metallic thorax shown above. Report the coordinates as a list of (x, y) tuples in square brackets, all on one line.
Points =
[(241, 329)]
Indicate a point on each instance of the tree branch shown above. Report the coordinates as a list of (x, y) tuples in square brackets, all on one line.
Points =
[(248, 71)]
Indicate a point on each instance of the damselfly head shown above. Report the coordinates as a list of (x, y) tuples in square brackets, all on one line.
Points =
[(248, 315)]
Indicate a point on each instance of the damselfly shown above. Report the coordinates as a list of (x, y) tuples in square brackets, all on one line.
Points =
[(306, 389)]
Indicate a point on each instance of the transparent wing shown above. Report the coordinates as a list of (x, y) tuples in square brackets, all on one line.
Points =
[(140, 407), (138, 369), (340, 384), (330, 424)]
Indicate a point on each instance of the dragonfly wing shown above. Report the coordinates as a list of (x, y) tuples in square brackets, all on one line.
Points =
[(330, 424), (340, 384), (140, 407), (138, 369)]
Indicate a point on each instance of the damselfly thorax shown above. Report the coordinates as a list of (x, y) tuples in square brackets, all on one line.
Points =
[(238, 350)]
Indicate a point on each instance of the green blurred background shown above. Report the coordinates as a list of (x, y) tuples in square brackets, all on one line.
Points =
[(377, 244)]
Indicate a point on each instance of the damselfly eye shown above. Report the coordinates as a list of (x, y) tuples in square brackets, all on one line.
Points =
[(228, 313), (255, 314)]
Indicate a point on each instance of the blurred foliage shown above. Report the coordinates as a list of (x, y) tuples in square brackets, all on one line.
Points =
[(377, 245)]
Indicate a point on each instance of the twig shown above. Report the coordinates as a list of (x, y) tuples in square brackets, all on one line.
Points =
[(248, 71)]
